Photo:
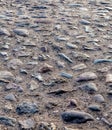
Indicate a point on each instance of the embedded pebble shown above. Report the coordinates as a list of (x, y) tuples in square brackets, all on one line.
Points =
[(99, 98), (109, 78), (27, 108), (80, 56), (66, 128), (14, 63), (38, 77), (4, 31), (21, 32), (8, 107), (55, 56), (27, 124), (94, 107), (6, 75), (79, 67), (7, 121), (33, 85), (62, 55), (73, 103), (71, 46), (76, 117), (10, 97), (46, 68), (86, 76), (89, 87), (66, 75), (102, 61), (84, 22)]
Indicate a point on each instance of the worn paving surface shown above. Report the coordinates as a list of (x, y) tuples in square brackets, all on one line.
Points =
[(56, 64)]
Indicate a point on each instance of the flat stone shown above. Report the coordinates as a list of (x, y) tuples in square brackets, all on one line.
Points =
[(14, 63), (80, 56), (8, 107), (66, 128), (65, 57), (79, 67), (10, 97), (27, 108), (33, 85), (94, 107), (13, 86), (71, 46), (21, 32), (109, 78), (38, 77), (84, 22), (4, 54), (99, 98), (89, 87), (27, 124), (7, 121), (76, 117), (66, 75), (86, 76), (6, 75), (46, 68), (4, 31), (60, 64)]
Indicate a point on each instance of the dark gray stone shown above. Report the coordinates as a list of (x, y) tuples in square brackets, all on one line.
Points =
[(27, 108), (76, 117)]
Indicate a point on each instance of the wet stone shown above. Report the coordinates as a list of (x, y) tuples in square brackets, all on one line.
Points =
[(86, 76), (76, 117), (27, 108), (27, 124)]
